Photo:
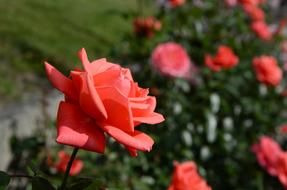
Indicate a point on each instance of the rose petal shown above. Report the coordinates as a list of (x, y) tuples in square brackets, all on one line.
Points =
[(101, 65), (127, 74), (116, 103), (113, 78), (78, 130), (153, 118), (60, 81), (137, 140), (133, 152), (137, 92), (97, 66), (88, 98), (138, 110)]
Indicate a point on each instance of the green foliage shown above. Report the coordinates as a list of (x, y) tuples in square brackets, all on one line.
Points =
[(81, 183), (41, 183), (33, 30), (4, 180), (213, 121)]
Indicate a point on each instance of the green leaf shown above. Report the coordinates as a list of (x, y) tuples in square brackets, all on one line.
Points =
[(39, 183), (80, 183), (4, 180), (96, 185)]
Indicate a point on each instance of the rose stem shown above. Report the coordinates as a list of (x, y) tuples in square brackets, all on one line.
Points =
[(20, 175), (69, 168)]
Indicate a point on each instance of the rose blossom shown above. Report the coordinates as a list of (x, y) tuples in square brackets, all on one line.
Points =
[(283, 128), (176, 3), (231, 3), (145, 27), (252, 2), (254, 12), (186, 177), (225, 58), (267, 70), (261, 30), (102, 98), (61, 164), (267, 151), (171, 59), (282, 168)]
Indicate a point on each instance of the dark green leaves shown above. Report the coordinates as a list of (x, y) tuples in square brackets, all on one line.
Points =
[(4, 180), (81, 183), (39, 183)]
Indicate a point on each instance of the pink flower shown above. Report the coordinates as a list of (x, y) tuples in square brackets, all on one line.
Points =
[(225, 58), (231, 3), (282, 168), (171, 59), (61, 164), (252, 2), (267, 70), (186, 177), (267, 152), (261, 30), (254, 12)]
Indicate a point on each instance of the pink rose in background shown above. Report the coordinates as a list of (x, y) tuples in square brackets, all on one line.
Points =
[(186, 177), (272, 158), (171, 59), (261, 30), (225, 58), (254, 12), (282, 168), (284, 46), (252, 2), (267, 151), (231, 3), (267, 70), (62, 162)]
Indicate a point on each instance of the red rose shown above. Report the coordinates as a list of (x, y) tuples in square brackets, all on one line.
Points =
[(61, 164), (267, 152), (225, 58), (282, 168), (186, 177), (252, 2), (145, 27), (267, 70), (254, 12), (283, 128), (102, 98), (176, 3), (171, 59), (261, 30)]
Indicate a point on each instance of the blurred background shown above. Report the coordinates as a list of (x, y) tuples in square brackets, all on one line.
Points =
[(213, 120)]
